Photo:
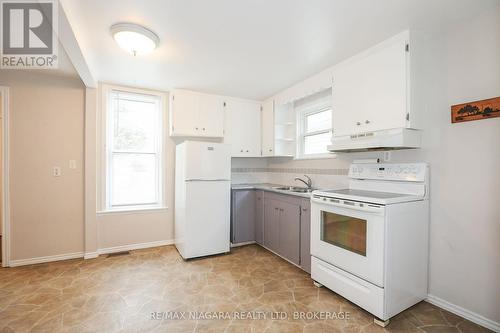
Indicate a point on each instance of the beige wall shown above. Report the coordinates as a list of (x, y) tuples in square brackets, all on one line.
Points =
[(46, 130)]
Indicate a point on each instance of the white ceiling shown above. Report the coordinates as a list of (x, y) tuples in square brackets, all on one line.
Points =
[(245, 48)]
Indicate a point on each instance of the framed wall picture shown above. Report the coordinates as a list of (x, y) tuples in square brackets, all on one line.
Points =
[(484, 109)]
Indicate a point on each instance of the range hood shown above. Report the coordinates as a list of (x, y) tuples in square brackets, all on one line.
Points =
[(398, 138)]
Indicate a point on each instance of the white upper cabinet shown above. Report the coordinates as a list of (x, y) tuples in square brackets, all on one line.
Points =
[(211, 115), (243, 127), (278, 129), (195, 114), (268, 128), (371, 91)]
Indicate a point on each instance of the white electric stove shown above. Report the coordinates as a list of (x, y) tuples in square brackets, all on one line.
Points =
[(369, 242)]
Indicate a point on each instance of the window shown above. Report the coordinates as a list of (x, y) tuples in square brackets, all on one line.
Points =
[(315, 131), (134, 150)]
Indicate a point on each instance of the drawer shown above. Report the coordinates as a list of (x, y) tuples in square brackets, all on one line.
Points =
[(360, 292)]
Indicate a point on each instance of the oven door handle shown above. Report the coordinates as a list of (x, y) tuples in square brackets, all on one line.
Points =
[(367, 207)]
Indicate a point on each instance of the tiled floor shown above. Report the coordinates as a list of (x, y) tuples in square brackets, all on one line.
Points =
[(119, 294)]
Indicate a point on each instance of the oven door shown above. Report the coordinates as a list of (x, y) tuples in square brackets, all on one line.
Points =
[(350, 236)]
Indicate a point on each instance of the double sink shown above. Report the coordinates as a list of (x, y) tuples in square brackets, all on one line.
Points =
[(293, 189)]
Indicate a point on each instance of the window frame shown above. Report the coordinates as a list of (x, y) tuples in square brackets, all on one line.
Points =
[(107, 152), (301, 130)]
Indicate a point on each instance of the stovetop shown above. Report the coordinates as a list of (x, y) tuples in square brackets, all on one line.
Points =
[(378, 197)]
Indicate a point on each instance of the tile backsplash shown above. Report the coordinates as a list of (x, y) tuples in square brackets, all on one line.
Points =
[(321, 178)]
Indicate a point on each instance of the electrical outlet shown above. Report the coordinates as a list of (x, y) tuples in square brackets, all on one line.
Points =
[(56, 171), (387, 156), (72, 164)]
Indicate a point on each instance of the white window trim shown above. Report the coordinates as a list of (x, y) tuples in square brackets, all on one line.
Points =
[(301, 124), (104, 172)]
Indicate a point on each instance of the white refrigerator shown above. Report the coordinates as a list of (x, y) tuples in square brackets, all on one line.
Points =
[(202, 198)]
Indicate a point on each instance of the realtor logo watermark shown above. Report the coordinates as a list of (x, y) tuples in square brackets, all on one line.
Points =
[(28, 34)]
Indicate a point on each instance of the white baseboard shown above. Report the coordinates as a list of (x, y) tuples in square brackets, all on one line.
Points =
[(138, 246), (467, 314), (90, 255), (40, 260)]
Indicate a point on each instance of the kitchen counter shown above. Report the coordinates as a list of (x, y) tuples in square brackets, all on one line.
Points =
[(269, 188)]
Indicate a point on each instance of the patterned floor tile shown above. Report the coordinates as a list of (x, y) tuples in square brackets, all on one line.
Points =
[(154, 290)]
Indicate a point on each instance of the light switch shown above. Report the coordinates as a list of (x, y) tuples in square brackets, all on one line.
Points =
[(72, 164), (56, 171)]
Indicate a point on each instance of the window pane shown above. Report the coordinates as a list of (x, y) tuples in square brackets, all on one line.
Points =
[(135, 125), (133, 179), (319, 121), (317, 144)]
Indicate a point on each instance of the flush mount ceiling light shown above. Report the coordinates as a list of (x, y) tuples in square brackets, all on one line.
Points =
[(134, 39)]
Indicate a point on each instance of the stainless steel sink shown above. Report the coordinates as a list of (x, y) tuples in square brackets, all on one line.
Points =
[(301, 189), (283, 188), (293, 189)]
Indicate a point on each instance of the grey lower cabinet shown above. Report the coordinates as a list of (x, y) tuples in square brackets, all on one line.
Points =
[(289, 232), (282, 225), (271, 224), (279, 222), (259, 216), (242, 216)]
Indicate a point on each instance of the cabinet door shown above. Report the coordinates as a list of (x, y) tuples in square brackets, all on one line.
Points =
[(268, 128), (243, 216), (289, 232), (384, 88), (271, 224), (242, 126), (184, 106), (346, 99), (211, 116), (259, 216), (369, 90), (305, 235)]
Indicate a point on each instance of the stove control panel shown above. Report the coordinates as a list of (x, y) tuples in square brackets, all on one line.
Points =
[(409, 172)]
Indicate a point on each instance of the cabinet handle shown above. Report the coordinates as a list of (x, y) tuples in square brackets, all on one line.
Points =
[(248, 151), (196, 128), (270, 150), (282, 210), (241, 150), (367, 121), (276, 208), (304, 209), (358, 123), (203, 128)]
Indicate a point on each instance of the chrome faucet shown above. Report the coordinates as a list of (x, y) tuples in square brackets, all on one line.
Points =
[(308, 182)]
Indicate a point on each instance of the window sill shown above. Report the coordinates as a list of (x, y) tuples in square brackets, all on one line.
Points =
[(316, 157), (141, 210)]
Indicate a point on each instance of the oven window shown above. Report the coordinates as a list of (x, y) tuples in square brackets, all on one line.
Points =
[(344, 231)]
